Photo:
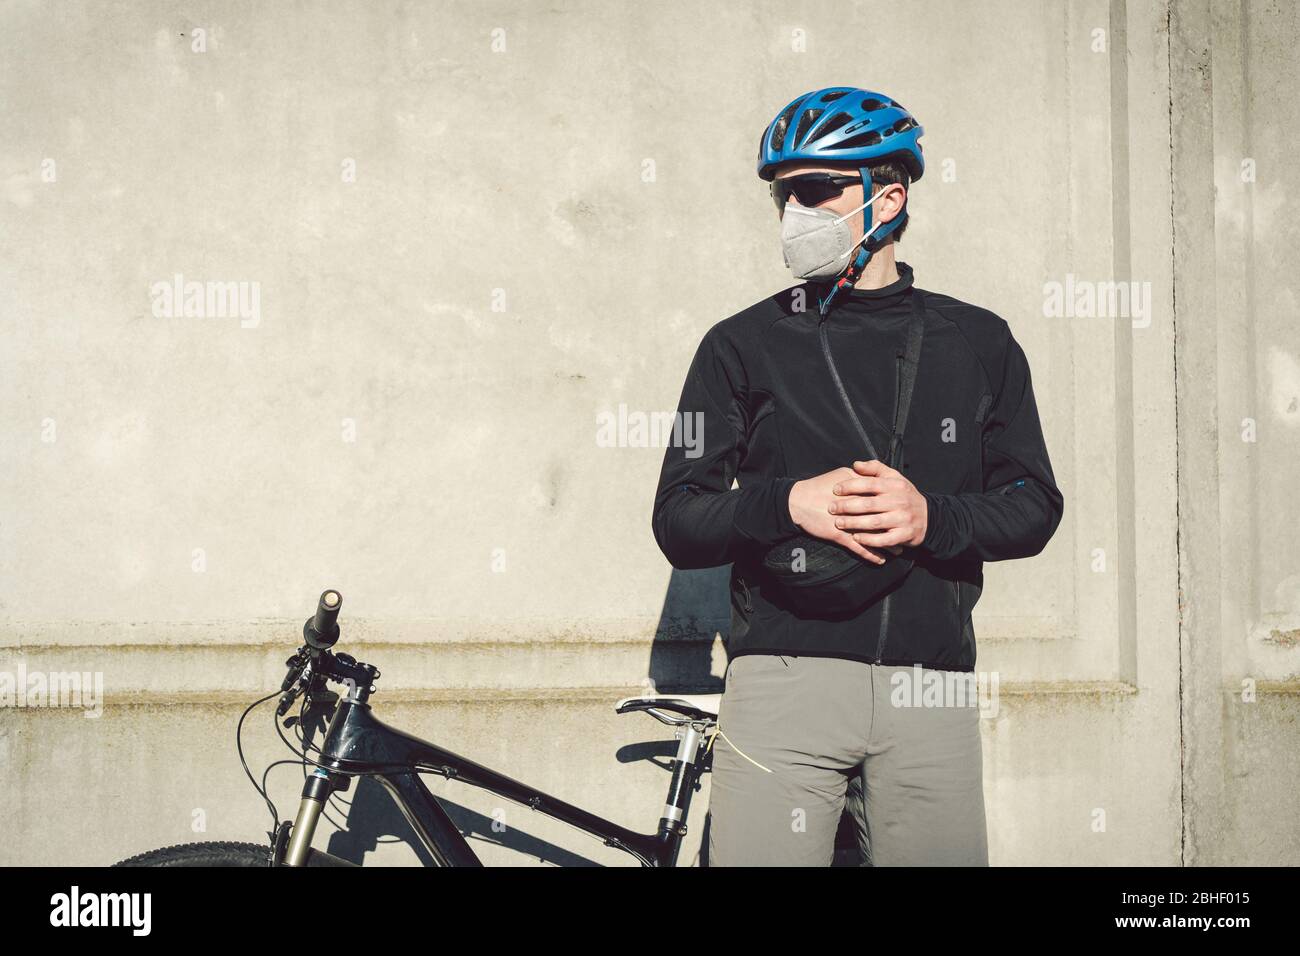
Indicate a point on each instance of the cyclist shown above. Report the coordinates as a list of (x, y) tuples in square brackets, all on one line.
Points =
[(799, 394)]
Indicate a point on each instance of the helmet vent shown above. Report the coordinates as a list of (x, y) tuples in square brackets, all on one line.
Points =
[(869, 138), (834, 95), (782, 123), (833, 124), (903, 125), (871, 103), (805, 123)]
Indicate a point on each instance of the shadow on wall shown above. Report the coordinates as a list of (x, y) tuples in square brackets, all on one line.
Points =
[(696, 610)]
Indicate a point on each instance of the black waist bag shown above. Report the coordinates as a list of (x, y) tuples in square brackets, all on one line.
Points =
[(818, 578)]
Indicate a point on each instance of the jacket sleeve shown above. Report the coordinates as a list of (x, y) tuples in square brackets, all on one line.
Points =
[(700, 521), (1018, 511)]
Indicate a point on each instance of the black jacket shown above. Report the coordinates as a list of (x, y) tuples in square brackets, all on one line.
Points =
[(771, 415)]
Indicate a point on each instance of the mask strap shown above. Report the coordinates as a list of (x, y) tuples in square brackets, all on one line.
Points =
[(865, 205)]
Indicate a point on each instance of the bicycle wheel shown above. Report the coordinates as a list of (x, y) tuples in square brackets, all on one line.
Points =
[(204, 854)]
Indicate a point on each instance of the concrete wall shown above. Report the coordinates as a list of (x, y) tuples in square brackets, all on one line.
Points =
[(474, 229)]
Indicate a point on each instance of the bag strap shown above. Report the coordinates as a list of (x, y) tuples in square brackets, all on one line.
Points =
[(839, 386), (907, 377)]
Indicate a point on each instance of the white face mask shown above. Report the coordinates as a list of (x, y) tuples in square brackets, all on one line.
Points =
[(816, 242)]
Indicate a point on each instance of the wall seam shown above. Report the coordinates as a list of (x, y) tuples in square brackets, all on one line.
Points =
[(1178, 523)]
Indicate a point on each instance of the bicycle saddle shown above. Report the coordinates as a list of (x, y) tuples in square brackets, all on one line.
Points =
[(690, 708)]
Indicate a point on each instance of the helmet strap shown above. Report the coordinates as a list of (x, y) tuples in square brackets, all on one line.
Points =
[(873, 242)]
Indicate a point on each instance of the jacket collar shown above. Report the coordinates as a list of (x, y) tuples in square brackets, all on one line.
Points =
[(882, 298)]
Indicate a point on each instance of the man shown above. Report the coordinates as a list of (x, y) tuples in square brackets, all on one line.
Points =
[(801, 395)]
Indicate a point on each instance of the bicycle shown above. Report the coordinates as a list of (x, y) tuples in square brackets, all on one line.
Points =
[(357, 744)]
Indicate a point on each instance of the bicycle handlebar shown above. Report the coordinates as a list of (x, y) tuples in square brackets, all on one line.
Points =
[(321, 632)]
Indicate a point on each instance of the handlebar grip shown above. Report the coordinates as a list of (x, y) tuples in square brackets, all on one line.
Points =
[(322, 630)]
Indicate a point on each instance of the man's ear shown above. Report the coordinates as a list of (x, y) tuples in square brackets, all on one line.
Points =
[(890, 203)]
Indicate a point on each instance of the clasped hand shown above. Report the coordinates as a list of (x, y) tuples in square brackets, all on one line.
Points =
[(868, 509)]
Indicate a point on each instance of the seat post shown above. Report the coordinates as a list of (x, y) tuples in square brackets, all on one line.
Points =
[(672, 824)]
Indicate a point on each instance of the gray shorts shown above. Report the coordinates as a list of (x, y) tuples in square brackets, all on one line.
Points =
[(796, 731)]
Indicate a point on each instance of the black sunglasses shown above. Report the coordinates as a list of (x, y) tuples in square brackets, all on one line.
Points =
[(811, 189)]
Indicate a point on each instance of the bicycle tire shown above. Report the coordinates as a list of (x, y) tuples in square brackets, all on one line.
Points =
[(204, 855)]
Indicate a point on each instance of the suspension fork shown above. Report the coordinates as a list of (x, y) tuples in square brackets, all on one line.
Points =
[(315, 791)]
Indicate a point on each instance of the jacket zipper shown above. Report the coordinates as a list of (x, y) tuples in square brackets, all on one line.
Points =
[(862, 433), (884, 605), (848, 404)]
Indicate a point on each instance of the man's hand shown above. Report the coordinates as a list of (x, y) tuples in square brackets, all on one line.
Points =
[(878, 506), (811, 504)]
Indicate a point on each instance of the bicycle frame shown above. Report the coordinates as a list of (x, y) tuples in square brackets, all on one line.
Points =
[(358, 743)]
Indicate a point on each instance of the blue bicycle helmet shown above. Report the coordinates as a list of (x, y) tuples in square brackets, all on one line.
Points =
[(842, 124)]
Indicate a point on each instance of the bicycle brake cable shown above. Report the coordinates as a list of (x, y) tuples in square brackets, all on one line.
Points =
[(239, 747)]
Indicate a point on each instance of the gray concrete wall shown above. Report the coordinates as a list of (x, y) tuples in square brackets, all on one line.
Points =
[(474, 229)]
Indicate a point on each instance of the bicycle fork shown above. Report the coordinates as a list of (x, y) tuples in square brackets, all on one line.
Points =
[(315, 791)]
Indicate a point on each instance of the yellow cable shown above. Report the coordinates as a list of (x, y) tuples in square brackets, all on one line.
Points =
[(741, 752)]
